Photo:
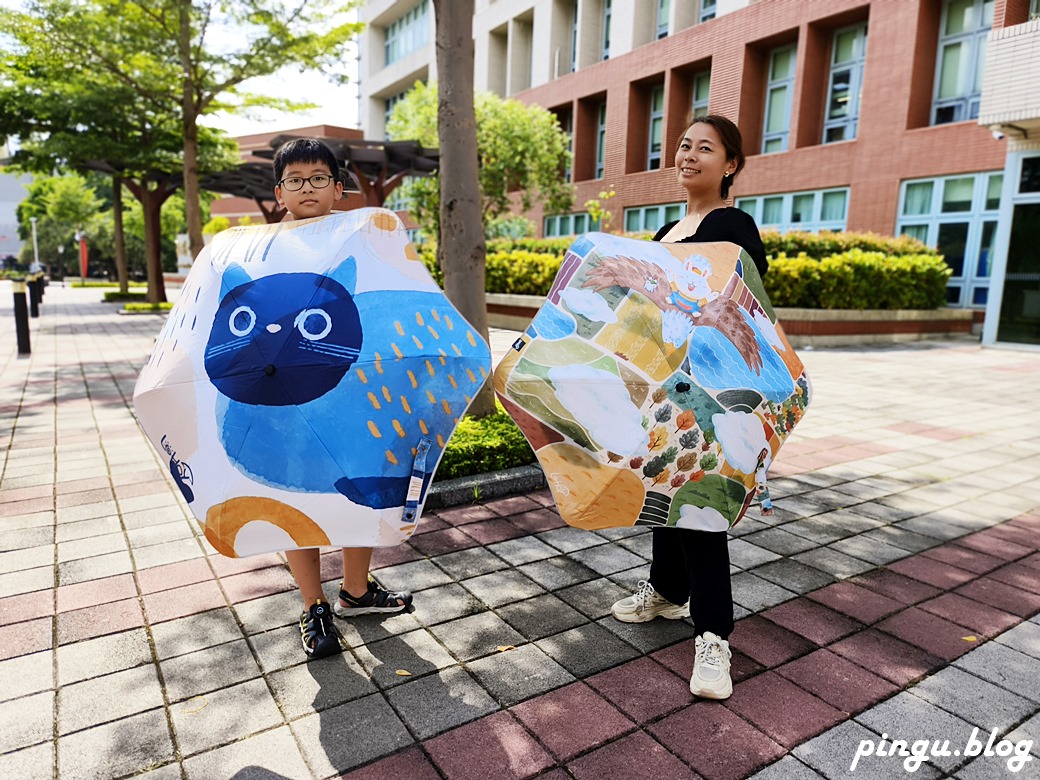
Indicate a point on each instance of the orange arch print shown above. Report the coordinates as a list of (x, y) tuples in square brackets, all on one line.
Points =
[(225, 520)]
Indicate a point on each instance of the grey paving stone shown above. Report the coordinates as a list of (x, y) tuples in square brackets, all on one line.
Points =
[(444, 603), (95, 568), (780, 541), (476, 636), (593, 598), (224, 716), (365, 629), (649, 636), (22, 538), (31, 762), (996, 767), (749, 525), (1004, 666), (516, 675), (416, 652), (330, 738), (559, 572), (569, 539), (977, 701), (787, 768), (630, 578), (833, 751), (608, 558), (833, 562), (268, 756), (901, 538), (206, 670), (870, 550), (413, 576), (440, 702), (502, 587), (148, 517), (91, 545), (587, 649), (473, 562), (541, 616), (111, 697), (1029, 730), (934, 527), (171, 552), (831, 498), (269, 612), (26, 721), (621, 532), (756, 594), (747, 555), (800, 506), (167, 772), (320, 684), (28, 581), (642, 545), (816, 530), (106, 654), (911, 718), (524, 549), (25, 674), (160, 534), (117, 749), (1025, 637), (794, 576), (278, 648), (195, 632)]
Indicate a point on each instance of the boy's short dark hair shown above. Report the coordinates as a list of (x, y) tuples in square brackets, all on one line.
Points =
[(304, 150)]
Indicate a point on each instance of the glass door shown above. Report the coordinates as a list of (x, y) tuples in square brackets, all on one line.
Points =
[(1020, 306)]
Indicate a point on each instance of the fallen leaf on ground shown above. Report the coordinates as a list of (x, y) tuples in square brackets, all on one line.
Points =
[(503, 648), (403, 673)]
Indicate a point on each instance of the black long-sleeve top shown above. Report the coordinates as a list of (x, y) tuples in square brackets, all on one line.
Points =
[(727, 224)]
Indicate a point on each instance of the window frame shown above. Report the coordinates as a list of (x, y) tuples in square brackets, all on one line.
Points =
[(407, 33), (855, 66), (601, 139), (607, 16), (554, 225), (656, 214), (655, 116), (707, 11), (700, 107), (965, 106), (771, 85), (664, 7), (756, 206)]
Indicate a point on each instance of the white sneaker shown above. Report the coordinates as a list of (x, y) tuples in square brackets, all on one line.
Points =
[(711, 678), (646, 604)]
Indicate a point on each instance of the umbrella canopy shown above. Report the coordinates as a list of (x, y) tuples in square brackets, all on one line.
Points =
[(654, 383), (306, 382)]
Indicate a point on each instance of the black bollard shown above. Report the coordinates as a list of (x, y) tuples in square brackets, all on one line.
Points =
[(34, 298), (21, 318)]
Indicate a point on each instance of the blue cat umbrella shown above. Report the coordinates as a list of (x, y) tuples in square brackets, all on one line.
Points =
[(306, 382)]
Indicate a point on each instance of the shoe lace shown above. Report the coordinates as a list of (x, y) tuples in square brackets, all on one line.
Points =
[(711, 652), (643, 594)]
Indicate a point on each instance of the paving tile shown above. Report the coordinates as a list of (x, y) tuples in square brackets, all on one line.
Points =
[(679, 659), (856, 602), (26, 721), (541, 616), (278, 648), (24, 638), (537, 521), (833, 562), (124, 747), (160, 533), (755, 594), (90, 546), (569, 539), (180, 602), (793, 576), (869, 550), (465, 514), (25, 674), (986, 542), (964, 558), (104, 655), (651, 636), (833, 752), (767, 643), (901, 538), (494, 746), (207, 670), (476, 636), (94, 568), (319, 684), (1006, 667), (195, 632), (416, 652), (587, 649), (895, 586), (257, 584), (36, 761), (391, 556), (413, 576), (746, 555), (558, 572), (934, 572), (330, 742), (270, 755), (781, 710), (642, 545), (787, 768), (1019, 576), (642, 689), (839, 682), (502, 587), (103, 619), (519, 674), (224, 716), (94, 592), (367, 629), (440, 701), (812, 620), (444, 603), (1025, 638), (526, 549), (513, 505), (976, 700), (906, 716), (781, 542), (464, 564), (275, 611), (21, 538), (26, 606), (106, 698), (488, 532), (929, 632), (635, 757), (225, 566), (980, 618), (887, 656), (410, 764), (174, 575), (727, 746), (440, 542), (551, 718), (16, 583), (1002, 596)]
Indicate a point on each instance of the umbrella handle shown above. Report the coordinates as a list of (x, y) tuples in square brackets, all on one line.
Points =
[(416, 493)]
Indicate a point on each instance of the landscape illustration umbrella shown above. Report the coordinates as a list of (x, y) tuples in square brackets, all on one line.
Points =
[(306, 382), (654, 384)]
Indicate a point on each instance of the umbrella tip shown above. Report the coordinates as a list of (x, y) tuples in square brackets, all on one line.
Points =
[(270, 369)]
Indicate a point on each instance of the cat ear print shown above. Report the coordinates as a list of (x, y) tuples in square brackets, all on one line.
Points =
[(233, 276), (346, 273)]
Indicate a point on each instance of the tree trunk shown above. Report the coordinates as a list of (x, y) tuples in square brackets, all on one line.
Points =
[(120, 239), (192, 212), (151, 208), (461, 250)]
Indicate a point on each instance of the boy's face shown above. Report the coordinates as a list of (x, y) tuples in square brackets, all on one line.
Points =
[(308, 201)]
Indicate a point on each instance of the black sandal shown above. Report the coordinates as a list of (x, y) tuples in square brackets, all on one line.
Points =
[(318, 633), (377, 599)]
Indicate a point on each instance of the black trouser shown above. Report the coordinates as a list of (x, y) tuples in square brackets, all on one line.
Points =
[(695, 565)]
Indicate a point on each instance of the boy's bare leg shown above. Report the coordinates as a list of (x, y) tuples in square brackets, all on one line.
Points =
[(356, 562), (306, 570)]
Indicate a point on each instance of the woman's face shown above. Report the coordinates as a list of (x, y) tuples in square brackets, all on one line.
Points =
[(700, 159)]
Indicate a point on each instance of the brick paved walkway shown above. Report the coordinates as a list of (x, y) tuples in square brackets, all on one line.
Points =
[(895, 592)]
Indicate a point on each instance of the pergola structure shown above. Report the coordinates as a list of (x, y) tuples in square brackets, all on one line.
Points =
[(373, 168)]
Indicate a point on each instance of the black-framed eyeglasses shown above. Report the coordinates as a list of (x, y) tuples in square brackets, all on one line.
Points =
[(294, 183)]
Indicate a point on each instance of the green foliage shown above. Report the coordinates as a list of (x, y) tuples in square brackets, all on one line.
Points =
[(216, 225), (114, 296), (522, 151), (150, 308), (826, 243), (509, 226), (521, 273), (480, 446)]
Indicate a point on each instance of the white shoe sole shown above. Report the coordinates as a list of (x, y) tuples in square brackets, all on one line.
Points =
[(678, 613), (711, 693)]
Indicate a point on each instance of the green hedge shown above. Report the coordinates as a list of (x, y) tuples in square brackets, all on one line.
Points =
[(114, 296), (480, 446), (858, 280), (817, 246)]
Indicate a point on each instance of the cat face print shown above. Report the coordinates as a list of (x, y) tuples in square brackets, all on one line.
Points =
[(282, 339)]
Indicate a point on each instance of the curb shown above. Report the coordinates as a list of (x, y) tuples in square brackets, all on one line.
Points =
[(479, 487)]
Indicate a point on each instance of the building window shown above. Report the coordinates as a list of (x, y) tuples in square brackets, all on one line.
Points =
[(811, 210), (601, 138), (388, 106), (652, 218), (962, 56), (779, 88), (568, 224), (566, 121), (408, 33), (663, 9), (574, 40), (848, 53), (701, 86), (958, 216), (606, 30), (1034, 10), (653, 157), (708, 8)]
